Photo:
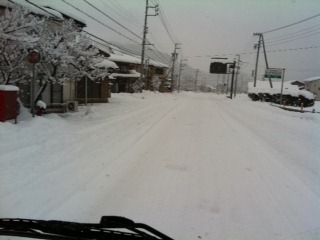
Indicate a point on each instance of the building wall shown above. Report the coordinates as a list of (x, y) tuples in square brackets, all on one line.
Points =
[(314, 87)]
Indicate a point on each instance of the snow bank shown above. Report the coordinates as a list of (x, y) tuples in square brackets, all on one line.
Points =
[(8, 88), (288, 89), (311, 79)]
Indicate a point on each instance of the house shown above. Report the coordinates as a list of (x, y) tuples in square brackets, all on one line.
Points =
[(124, 78), (55, 94), (98, 91), (313, 85), (300, 84)]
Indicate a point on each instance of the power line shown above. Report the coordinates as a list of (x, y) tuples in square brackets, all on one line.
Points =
[(126, 51), (273, 30), (165, 26), (100, 22), (112, 19), (160, 56), (248, 53), (300, 34), (119, 13), (303, 30), (119, 7), (293, 39)]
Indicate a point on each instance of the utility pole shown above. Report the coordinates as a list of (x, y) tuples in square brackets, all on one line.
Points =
[(174, 56), (145, 31), (237, 73), (261, 39), (228, 81), (232, 79), (265, 58), (195, 84), (256, 68), (180, 69)]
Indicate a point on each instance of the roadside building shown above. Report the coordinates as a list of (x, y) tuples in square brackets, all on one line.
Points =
[(313, 85)]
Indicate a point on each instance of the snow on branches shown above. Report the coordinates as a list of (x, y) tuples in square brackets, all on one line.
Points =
[(66, 53), (18, 32)]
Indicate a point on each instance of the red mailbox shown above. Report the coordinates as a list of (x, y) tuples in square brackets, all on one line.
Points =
[(8, 102)]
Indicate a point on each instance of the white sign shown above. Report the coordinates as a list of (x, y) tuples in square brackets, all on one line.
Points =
[(273, 73)]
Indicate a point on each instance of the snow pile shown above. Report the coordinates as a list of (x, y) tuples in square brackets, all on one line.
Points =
[(311, 79), (9, 88), (105, 63), (288, 89), (41, 104)]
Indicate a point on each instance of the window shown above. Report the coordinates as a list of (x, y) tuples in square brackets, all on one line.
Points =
[(159, 71)]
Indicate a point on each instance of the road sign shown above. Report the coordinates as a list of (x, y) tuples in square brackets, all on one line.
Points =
[(34, 57), (273, 73)]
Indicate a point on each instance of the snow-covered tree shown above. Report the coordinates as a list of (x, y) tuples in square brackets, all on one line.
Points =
[(19, 31), (156, 82), (66, 53)]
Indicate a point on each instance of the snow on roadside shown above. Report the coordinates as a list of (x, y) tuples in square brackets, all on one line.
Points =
[(160, 158)]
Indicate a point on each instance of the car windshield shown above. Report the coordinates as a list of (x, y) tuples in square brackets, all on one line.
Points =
[(198, 118)]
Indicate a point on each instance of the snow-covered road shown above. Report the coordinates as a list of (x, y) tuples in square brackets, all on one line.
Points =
[(191, 165)]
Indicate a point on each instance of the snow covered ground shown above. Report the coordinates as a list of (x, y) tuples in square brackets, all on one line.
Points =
[(194, 166)]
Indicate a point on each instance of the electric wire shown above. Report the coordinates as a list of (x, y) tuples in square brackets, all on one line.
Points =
[(117, 12), (119, 48), (112, 19), (165, 27), (292, 24), (120, 8), (249, 53), (99, 22), (292, 39), (303, 30)]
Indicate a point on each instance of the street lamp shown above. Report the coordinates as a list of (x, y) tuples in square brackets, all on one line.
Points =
[(180, 69)]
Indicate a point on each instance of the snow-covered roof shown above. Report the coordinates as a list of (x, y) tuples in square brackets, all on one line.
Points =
[(8, 88), (293, 81), (101, 47), (134, 59), (158, 64), (131, 74), (105, 63), (288, 88), (124, 58), (47, 12), (50, 9), (312, 79), (67, 13)]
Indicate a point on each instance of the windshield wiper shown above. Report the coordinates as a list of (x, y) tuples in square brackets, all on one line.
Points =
[(110, 227)]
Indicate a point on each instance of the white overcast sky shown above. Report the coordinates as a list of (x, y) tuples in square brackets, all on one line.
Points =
[(211, 28)]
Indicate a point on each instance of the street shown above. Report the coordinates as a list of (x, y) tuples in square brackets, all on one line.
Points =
[(193, 166)]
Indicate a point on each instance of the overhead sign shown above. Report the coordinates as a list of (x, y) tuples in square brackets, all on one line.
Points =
[(273, 73), (218, 67)]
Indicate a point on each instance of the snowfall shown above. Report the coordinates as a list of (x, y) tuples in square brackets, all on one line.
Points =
[(191, 165)]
